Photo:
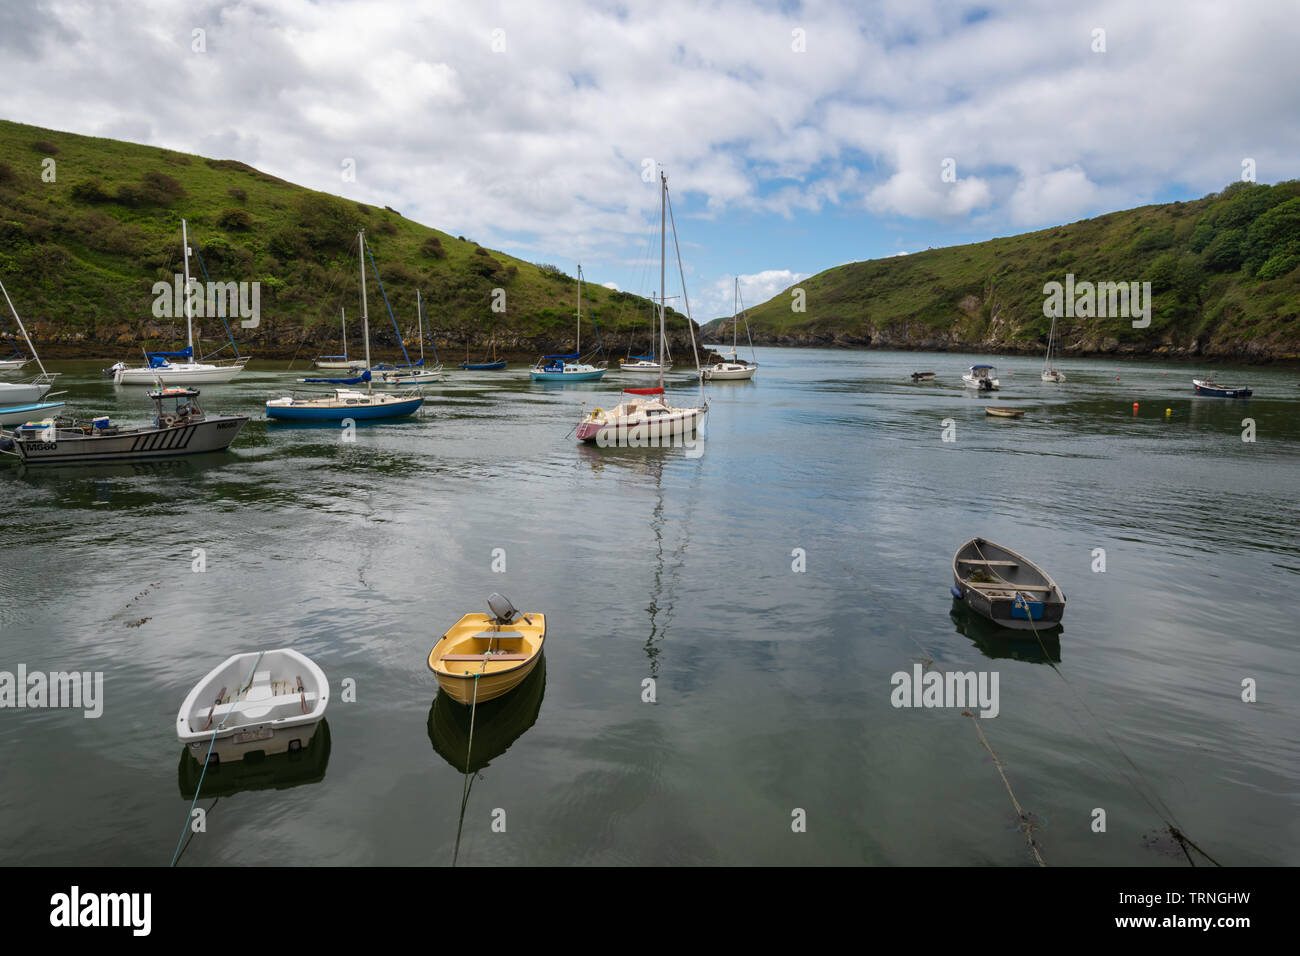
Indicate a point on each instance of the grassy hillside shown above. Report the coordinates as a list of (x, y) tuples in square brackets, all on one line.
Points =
[(1224, 270), (79, 256)]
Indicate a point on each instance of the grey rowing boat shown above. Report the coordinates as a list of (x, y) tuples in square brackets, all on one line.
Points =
[(1005, 587)]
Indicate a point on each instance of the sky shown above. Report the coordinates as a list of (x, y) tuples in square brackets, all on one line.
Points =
[(795, 136)]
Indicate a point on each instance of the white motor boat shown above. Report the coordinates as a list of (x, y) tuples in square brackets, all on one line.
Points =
[(982, 377), (269, 701)]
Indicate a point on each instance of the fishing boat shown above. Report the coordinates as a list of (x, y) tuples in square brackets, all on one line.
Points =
[(159, 366), (346, 401), (982, 377), (1209, 387), (569, 367), (180, 427), (922, 376), (412, 373), (1002, 411), (15, 394), (1005, 587), (484, 656), (495, 365), (1050, 373), (18, 414), (732, 368), (643, 415), (338, 362), (268, 701)]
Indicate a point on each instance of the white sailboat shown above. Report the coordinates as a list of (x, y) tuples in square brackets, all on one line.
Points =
[(16, 394), (1051, 374), (417, 374), (186, 372), (338, 362), (732, 368), (657, 362), (347, 402), (643, 415)]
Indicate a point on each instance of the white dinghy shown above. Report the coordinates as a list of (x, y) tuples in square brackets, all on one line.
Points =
[(269, 701)]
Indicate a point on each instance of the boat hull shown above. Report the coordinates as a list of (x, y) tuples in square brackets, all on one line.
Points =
[(13, 365), (1003, 412), (1220, 391), (1023, 598), (27, 393), (340, 364), (267, 716), (656, 431), (727, 374), (214, 433), (483, 366), (475, 681), (336, 411), (1050, 376), (594, 375), (17, 414), (192, 374)]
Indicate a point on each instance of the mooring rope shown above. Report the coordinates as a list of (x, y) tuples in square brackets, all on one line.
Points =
[(469, 747), (1163, 811), (203, 773)]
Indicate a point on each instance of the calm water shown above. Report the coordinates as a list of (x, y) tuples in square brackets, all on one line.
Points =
[(772, 687)]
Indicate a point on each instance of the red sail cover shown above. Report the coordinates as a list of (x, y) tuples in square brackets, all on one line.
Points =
[(644, 391)]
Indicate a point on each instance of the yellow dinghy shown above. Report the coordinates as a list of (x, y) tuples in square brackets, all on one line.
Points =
[(486, 655)]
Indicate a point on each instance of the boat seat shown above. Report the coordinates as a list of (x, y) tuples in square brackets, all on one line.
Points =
[(991, 564), (485, 635), (268, 708), (1009, 588), (486, 657)]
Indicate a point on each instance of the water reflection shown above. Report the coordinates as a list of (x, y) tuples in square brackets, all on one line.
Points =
[(497, 723), (994, 641), (254, 772)]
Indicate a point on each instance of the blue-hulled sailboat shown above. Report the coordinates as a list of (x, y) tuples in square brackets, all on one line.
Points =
[(569, 367), (348, 401)]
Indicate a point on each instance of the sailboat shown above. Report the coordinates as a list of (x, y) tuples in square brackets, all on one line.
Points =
[(347, 402), (732, 368), (643, 415), (569, 367), (1050, 374), (17, 360), (495, 365), (186, 372), (647, 364), (23, 398), (412, 373), (338, 361)]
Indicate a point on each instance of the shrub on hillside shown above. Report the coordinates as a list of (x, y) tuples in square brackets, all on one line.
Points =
[(234, 192), (7, 175), (45, 147), (432, 248), (90, 191), (236, 220)]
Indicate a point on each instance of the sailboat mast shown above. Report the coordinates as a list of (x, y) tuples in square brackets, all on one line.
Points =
[(365, 307), (343, 314), (419, 325), (735, 317), (663, 259), (579, 347), (22, 328), (189, 322)]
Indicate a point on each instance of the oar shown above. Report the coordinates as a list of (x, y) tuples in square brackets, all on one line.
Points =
[(302, 695), (207, 723)]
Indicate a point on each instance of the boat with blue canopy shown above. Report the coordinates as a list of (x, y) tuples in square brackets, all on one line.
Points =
[(346, 401), (569, 367)]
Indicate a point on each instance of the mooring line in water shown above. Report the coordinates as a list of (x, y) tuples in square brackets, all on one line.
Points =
[(204, 772), (1163, 811), (469, 747), (1025, 821)]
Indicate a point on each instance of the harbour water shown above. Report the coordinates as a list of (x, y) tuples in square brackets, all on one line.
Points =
[(768, 588)]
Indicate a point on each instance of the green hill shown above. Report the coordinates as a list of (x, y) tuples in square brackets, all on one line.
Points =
[(80, 255), (1224, 274)]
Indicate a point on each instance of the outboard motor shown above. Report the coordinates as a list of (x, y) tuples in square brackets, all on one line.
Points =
[(6, 444), (500, 605)]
